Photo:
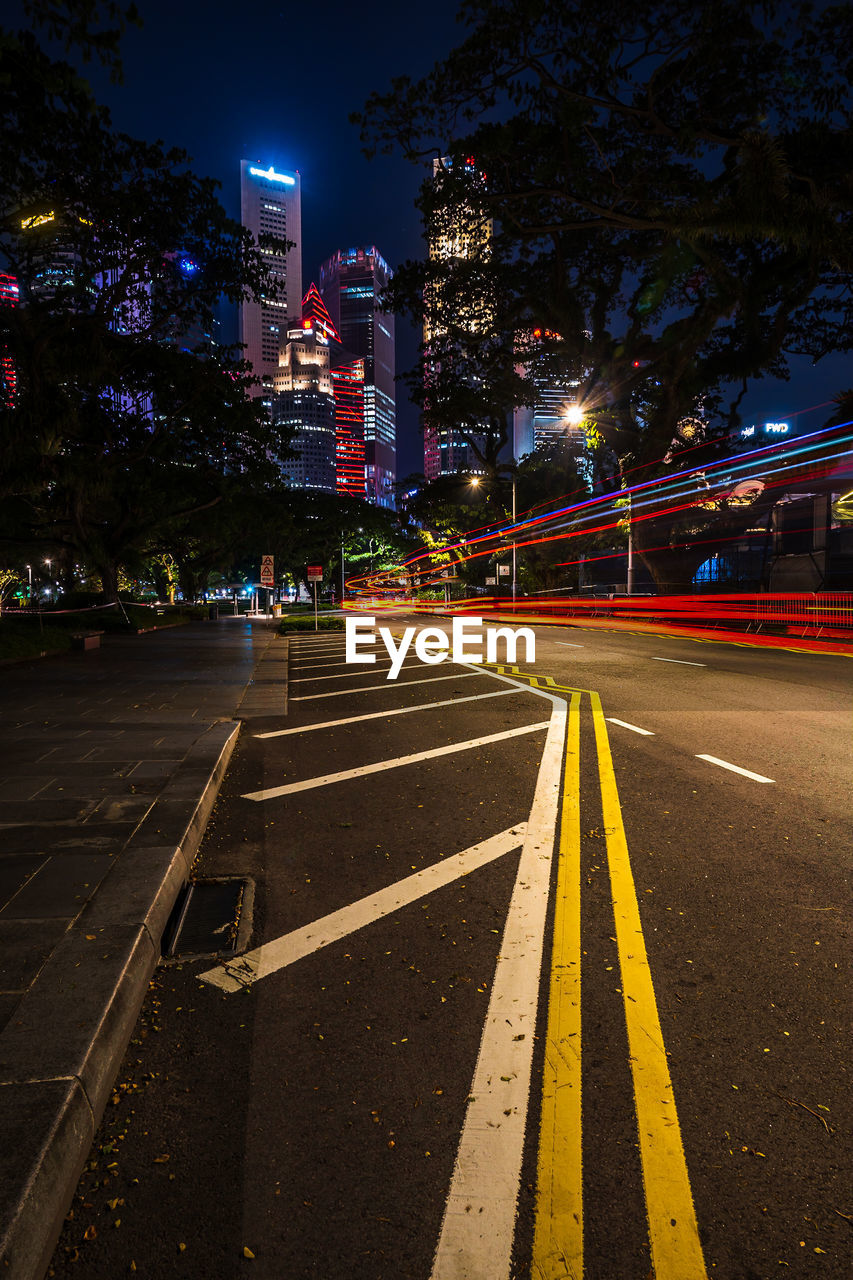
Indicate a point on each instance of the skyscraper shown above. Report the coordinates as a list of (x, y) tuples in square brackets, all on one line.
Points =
[(8, 374), (549, 419), (351, 281), (464, 233), (304, 404), (319, 395), (270, 204)]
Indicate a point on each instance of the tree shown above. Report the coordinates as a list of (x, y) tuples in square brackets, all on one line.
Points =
[(670, 194), (126, 416)]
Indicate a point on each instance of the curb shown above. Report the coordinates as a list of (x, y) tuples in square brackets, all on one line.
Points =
[(53, 1090)]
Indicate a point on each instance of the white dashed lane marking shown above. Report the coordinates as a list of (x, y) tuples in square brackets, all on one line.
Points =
[(680, 662), (635, 728), (735, 768)]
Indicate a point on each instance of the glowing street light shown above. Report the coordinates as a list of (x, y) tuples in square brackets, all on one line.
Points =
[(475, 484), (574, 415)]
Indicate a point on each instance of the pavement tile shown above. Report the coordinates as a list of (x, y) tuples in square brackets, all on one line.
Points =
[(46, 812), (9, 1001), (15, 870), (121, 808), (25, 788), (66, 881), (24, 947)]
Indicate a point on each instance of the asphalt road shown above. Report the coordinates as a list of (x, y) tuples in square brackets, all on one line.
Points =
[(612, 1039)]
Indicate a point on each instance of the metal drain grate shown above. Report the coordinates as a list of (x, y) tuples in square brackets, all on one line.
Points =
[(205, 919)]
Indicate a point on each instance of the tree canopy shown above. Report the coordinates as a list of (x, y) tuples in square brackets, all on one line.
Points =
[(121, 414), (669, 190)]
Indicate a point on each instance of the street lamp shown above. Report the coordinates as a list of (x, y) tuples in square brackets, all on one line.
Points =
[(29, 584), (475, 484)]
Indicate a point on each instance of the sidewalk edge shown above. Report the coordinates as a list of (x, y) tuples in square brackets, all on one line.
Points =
[(53, 1090)]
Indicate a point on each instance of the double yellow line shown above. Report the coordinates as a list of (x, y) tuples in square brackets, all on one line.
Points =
[(558, 1236)]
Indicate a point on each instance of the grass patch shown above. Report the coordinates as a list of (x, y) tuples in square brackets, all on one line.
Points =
[(307, 624), (20, 640)]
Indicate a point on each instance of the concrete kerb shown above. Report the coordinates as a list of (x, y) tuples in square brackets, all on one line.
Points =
[(54, 1086)]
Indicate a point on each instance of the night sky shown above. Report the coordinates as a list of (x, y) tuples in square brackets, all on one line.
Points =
[(276, 84)]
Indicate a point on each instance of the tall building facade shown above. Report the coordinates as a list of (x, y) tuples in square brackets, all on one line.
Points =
[(350, 282), (464, 233), (304, 407), (319, 398), (8, 373), (270, 205), (350, 450), (549, 420)]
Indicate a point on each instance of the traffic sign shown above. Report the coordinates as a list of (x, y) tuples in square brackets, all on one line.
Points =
[(491, 582), (315, 573), (503, 570), (267, 571)]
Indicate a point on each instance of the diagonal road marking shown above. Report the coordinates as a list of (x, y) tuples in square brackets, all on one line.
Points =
[(362, 771), (273, 956), (383, 715)]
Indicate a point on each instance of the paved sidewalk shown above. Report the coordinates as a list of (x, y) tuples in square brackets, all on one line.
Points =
[(110, 761)]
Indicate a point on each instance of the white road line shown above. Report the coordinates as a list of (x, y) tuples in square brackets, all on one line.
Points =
[(568, 645), (364, 770), (479, 1218), (383, 715), (273, 956), (635, 728), (680, 662), (735, 768), (386, 685), (371, 671)]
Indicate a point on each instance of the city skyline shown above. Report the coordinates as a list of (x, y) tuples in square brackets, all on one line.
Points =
[(346, 198)]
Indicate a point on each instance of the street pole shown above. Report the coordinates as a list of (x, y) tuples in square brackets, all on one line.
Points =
[(316, 628), (513, 545), (630, 582), (342, 571)]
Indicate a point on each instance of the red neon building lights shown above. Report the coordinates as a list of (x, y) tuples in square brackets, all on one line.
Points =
[(8, 374), (348, 386)]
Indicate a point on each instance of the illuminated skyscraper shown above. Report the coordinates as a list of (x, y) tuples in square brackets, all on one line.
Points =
[(304, 403), (464, 233), (549, 420), (350, 283), (270, 204), (8, 375), (348, 382), (319, 395)]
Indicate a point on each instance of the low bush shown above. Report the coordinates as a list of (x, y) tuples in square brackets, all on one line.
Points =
[(307, 624)]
